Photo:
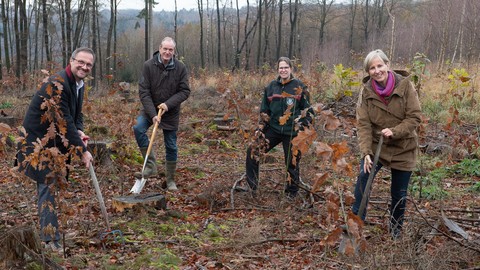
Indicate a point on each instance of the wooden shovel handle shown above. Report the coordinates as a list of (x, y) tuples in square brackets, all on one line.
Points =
[(155, 127)]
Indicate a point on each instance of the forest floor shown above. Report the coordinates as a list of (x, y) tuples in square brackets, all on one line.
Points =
[(209, 225)]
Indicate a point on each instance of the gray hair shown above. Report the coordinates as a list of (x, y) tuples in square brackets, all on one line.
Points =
[(83, 49), (372, 55), (168, 39)]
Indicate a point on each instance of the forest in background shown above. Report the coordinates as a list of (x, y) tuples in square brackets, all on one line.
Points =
[(222, 35), (207, 224)]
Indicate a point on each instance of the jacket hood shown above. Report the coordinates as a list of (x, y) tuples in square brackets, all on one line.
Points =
[(402, 73)]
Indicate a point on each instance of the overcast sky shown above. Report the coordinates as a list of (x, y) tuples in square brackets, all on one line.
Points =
[(169, 5)]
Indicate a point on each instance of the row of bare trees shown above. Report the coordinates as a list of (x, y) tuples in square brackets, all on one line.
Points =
[(43, 33), (224, 35)]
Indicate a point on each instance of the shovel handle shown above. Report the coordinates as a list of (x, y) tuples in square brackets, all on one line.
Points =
[(155, 127), (99, 195), (366, 192), (149, 149)]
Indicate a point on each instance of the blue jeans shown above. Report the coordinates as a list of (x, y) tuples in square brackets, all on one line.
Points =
[(398, 192), (169, 138), (47, 213)]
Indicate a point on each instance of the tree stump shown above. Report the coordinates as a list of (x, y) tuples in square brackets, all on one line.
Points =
[(100, 152), (224, 122), (9, 120), (156, 200), (21, 242)]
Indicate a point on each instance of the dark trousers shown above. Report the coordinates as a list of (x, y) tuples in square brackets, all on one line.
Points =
[(398, 192), (47, 213), (252, 164)]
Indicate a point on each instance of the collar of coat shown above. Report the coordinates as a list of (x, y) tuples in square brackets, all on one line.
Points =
[(169, 66), (291, 78), (400, 77), (71, 78)]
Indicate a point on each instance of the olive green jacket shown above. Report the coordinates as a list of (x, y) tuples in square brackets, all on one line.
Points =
[(402, 115)]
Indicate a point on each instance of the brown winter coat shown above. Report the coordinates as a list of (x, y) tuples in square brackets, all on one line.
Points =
[(402, 115), (163, 84)]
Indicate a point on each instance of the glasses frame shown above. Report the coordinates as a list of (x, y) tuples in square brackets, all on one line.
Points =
[(83, 64)]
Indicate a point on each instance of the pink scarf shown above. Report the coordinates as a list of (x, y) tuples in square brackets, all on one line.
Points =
[(386, 91)]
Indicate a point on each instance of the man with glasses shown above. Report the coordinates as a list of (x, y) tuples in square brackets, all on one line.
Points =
[(54, 134), (164, 84)]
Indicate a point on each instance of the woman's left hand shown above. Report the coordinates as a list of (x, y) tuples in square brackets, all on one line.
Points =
[(386, 132)]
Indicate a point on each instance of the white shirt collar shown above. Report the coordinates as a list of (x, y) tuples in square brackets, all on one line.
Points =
[(79, 85)]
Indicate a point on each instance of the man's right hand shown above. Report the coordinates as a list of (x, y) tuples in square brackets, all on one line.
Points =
[(87, 158), (163, 107)]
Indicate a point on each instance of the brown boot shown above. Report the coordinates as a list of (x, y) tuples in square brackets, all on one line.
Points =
[(150, 167), (170, 168)]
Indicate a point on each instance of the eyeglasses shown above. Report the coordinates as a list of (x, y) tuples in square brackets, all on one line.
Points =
[(83, 63)]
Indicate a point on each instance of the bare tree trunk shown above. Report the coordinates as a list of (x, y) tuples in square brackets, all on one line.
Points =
[(36, 44), (79, 23), (260, 19), (293, 26), (209, 35), (115, 38), (353, 11), (225, 36), (21, 30), (150, 28), (266, 31), (366, 21), (219, 36), (63, 30), (392, 37), (109, 38), (202, 49), (6, 34), (46, 43), (472, 42), (324, 10), (245, 43), (459, 40), (175, 22), (99, 59), (245, 40), (237, 43), (445, 35), (94, 40), (147, 52), (279, 29), (68, 29)]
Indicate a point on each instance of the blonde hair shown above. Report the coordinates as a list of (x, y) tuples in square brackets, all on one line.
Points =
[(286, 60), (372, 55)]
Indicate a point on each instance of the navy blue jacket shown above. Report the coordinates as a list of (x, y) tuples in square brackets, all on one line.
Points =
[(63, 84)]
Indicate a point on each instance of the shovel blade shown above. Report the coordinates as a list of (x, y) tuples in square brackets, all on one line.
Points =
[(138, 186)]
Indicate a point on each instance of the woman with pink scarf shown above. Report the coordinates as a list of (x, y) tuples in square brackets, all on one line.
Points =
[(387, 106)]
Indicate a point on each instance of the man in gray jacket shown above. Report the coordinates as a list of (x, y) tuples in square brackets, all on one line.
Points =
[(164, 84)]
